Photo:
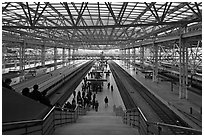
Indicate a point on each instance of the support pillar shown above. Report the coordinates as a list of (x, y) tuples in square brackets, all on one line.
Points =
[(134, 56), (186, 71), (125, 57), (63, 56), (121, 54), (43, 55), (55, 58), (69, 55), (4, 62), (128, 59), (183, 69), (22, 57), (155, 70), (123, 60), (142, 56), (66, 56), (73, 52)]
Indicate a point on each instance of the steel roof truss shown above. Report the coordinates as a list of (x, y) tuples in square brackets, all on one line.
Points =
[(155, 15), (138, 17), (165, 11), (197, 14), (69, 12), (125, 29), (4, 8), (90, 16), (27, 18), (82, 9), (105, 29), (30, 18), (111, 11), (99, 15), (38, 4), (84, 23), (122, 11)]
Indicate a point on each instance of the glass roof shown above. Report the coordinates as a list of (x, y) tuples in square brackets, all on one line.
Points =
[(99, 23)]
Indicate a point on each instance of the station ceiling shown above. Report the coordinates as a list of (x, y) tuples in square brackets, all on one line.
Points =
[(99, 25)]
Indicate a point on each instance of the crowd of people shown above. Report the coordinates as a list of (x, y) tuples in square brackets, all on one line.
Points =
[(86, 98)]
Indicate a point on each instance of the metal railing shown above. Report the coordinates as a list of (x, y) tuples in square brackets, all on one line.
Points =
[(54, 118), (136, 118)]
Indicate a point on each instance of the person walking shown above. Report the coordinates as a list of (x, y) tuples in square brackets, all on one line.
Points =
[(108, 85), (106, 101), (74, 93), (112, 88), (73, 104), (96, 105)]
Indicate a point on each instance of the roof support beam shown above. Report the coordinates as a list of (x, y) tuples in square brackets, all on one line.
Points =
[(4, 8), (138, 17), (69, 12), (90, 16), (99, 15), (105, 26), (80, 12), (83, 22), (111, 11), (35, 21), (30, 18), (36, 11), (165, 10), (122, 11), (25, 13), (197, 14), (155, 15)]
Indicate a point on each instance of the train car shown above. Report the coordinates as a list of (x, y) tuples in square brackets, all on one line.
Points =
[(34, 72)]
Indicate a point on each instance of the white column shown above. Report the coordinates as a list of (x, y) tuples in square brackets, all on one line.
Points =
[(73, 52), (186, 72), (134, 56), (43, 55), (4, 51), (63, 56), (155, 71), (128, 61), (22, 57), (55, 57), (183, 66), (182, 73), (123, 56), (142, 55), (69, 55)]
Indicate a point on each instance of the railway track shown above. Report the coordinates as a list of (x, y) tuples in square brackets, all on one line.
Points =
[(165, 114), (69, 84)]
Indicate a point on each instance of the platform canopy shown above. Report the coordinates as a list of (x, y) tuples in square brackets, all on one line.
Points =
[(99, 25)]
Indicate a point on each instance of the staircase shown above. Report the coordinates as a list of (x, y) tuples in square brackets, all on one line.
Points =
[(97, 123)]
